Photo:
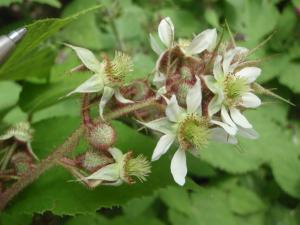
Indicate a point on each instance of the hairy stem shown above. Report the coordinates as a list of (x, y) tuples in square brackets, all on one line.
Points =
[(57, 154)]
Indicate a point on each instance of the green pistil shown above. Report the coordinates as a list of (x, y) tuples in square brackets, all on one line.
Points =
[(194, 132), (234, 88), (138, 167)]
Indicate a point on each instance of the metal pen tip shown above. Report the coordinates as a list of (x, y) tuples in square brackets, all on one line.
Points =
[(17, 35)]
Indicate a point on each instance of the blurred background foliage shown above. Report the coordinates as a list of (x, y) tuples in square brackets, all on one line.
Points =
[(255, 184)]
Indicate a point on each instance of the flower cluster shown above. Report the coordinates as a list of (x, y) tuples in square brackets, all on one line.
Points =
[(202, 87), (206, 88)]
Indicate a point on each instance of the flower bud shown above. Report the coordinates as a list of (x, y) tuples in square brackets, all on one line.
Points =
[(92, 161), (101, 136), (22, 163)]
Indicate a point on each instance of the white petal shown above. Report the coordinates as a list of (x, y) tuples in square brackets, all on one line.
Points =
[(87, 58), (110, 172), (194, 98), (94, 84), (121, 98), (226, 118), (219, 135), (206, 40), (178, 167), (229, 56), (230, 130), (106, 96), (162, 125), (166, 31), (116, 153), (173, 110), (154, 45), (217, 70), (249, 73), (214, 105), (239, 118), (163, 146), (6, 137), (248, 133), (250, 100)]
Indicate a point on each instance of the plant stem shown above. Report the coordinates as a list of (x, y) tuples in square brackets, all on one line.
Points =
[(57, 154)]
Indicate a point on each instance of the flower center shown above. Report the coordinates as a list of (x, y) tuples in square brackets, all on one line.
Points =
[(193, 132), (117, 69), (234, 88)]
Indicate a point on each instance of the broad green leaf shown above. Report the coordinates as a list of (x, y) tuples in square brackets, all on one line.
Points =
[(37, 32), (9, 2), (248, 22), (86, 31), (15, 219), (68, 197), (53, 3), (291, 76), (38, 96), (243, 201), (9, 95)]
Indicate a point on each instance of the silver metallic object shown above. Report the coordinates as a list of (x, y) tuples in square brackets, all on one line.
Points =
[(8, 42)]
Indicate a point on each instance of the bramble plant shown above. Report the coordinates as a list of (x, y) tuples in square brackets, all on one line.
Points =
[(197, 94)]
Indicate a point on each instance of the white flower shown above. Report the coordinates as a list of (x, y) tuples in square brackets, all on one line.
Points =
[(206, 40), (122, 170), (233, 92), (188, 127), (22, 133), (107, 76)]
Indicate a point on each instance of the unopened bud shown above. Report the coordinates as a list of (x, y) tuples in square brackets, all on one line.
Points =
[(93, 161), (22, 163), (102, 136)]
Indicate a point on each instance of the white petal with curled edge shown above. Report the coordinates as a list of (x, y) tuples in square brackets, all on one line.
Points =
[(106, 96), (230, 130), (6, 137), (154, 45), (239, 118), (194, 98), (229, 56), (226, 118), (214, 106), (249, 73), (179, 167), (163, 146), (121, 98), (116, 153), (110, 172), (173, 110), (166, 31), (87, 58), (250, 100), (217, 70), (206, 40), (219, 135), (92, 85), (162, 125), (248, 133)]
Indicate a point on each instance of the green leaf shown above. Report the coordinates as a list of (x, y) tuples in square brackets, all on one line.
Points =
[(85, 32), (53, 3), (38, 96), (9, 95), (68, 197), (9, 2), (291, 76), (249, 22), (243, 201), (20, 60), (15, 219)]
